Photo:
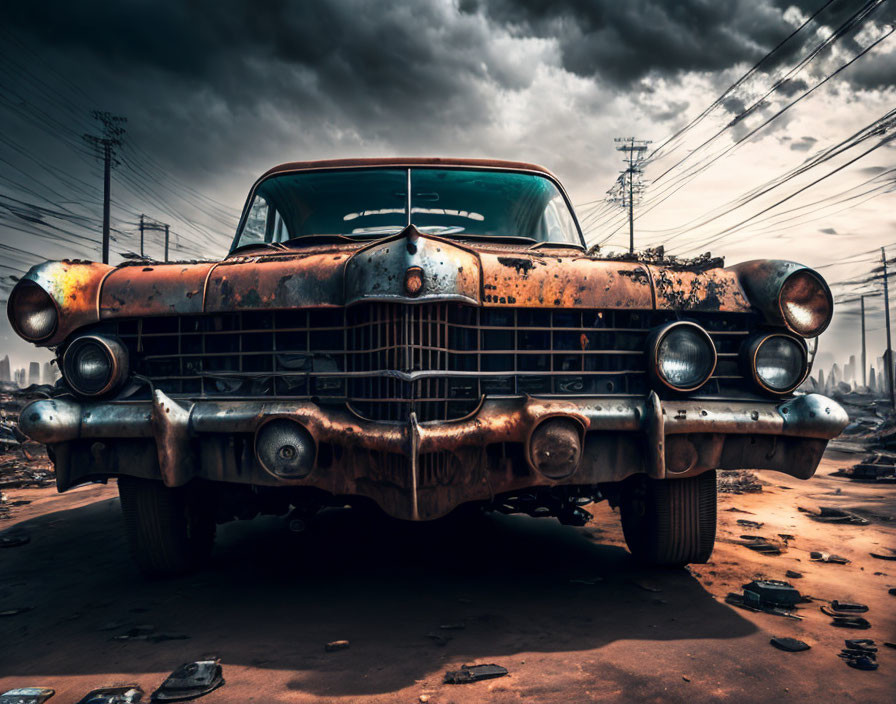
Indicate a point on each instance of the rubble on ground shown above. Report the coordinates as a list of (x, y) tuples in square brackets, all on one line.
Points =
[(738, 481), (22, 463)]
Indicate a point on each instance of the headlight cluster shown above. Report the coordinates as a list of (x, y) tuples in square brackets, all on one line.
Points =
[(684, 356), (806, 303), (32, 312), (94, 365)]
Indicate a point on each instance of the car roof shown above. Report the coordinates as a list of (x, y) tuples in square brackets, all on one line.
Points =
[(403, 162)]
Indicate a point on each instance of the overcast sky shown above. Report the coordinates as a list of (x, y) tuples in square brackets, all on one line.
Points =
[(215, 93)]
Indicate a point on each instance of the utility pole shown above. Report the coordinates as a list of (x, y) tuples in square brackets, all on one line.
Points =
[(628, 188), (156, 226), (864, 369), (113, 131), (888, 355)]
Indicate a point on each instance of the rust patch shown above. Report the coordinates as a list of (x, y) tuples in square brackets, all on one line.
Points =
[(522, 266)]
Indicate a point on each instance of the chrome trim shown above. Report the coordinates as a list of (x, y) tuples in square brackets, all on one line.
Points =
[(61, 420)]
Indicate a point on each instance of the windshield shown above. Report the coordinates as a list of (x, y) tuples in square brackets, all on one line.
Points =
[(367, 203)]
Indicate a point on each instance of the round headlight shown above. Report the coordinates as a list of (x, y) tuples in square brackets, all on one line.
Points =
[(32, 311), (779, 362), (806, 303), (684, 356), (94, 365)]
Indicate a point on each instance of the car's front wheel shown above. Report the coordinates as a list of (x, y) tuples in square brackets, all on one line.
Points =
[(670, 522), (169, 531)]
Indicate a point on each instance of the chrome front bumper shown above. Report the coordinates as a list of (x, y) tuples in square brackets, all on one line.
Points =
[(652, 423)]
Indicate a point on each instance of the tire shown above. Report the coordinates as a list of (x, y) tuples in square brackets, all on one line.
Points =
[(670, 522), (169, 531)]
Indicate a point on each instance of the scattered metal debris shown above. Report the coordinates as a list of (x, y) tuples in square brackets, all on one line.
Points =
[(14, 540), (128, 694), (23, 463), (474, 673), (793, 574), (15, 612), (878, 467), (27, 695), (335, 645), (771, 596), (646, 586), (749, 524), (860, 653), (817, 556), (881, 556), (848, 606), (190, 680), (148, 633), (759, 544), (846, 621), (791, 645), (828, 514)]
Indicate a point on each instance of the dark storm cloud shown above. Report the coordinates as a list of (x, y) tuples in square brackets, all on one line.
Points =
[(209, 85), (625, 41)]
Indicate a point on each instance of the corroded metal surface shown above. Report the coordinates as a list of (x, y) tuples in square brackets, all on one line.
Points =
[(164, 289), (341, 274), (448, 271), (74, 286), (399, 466)]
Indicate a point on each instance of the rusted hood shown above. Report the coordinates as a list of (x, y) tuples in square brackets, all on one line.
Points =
[(342, 273)]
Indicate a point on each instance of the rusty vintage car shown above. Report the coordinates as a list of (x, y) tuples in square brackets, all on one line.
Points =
[(419, 335)]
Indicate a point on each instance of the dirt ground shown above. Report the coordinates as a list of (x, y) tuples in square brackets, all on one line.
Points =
[(565, 610)]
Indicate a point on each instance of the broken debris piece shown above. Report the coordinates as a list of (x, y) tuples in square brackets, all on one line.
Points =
[(845, 621), (474, 673), (27, 695), (759, 544), (817, 556), (749, 524), (793, 574), (335, 645), (190, 680), (128, 694), (882, 557), (828, 514), (849, 606), (15, 612), (770, 596), (791, 645), (14, 540)]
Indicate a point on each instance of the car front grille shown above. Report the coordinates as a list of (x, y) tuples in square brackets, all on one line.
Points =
[(384, 360)]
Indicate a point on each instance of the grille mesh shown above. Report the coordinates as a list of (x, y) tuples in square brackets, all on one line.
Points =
[(386, 359)]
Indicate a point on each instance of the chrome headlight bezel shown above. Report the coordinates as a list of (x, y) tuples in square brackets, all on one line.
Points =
[(655, 343), (818, 313), (750, 356), (112, 351), (27, 301)]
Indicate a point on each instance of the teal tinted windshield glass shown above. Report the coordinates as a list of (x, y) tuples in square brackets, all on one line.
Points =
[(368, 203)]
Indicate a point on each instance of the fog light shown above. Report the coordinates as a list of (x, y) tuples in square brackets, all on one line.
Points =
[(555, 448), (94, 365), (285, 448)]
